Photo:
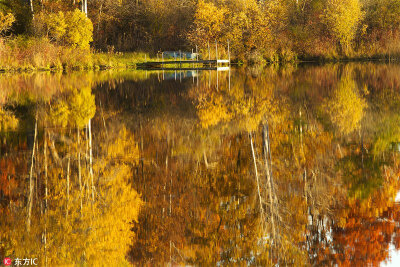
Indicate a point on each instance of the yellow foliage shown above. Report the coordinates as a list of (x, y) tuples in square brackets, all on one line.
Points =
[(7, 121), (71, 28), (59, 114), (79, 29), (209, 21), (6, 22), (346, 107), (82, 106), (342, 18), (57, 25), (212, 111), (124, 147)]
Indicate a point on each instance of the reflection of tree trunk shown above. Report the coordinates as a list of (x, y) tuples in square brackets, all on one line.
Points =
[(340, 150), (37, 168), (205, 158), (45, 171), (54, 152), (256, 173), (45, 195), (31, 185), (68, 170), (303, 161), (91, 158), (267, 154), (79, 167), (104, 121)]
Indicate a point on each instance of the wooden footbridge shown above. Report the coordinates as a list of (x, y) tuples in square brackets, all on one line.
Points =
[(180, 61)]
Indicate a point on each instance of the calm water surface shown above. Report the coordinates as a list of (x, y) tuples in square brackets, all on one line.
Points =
[(297, 165)]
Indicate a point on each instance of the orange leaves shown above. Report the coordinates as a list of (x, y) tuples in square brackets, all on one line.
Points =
[(7, 182)]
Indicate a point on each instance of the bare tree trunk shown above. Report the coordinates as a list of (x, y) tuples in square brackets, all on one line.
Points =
[(31, 183), (84, 7), (98, 28), (31, 5)]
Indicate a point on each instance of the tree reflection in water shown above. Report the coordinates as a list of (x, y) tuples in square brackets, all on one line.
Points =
[(288, 166)]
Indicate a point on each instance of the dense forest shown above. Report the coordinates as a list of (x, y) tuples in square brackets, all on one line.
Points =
[(273, 30)]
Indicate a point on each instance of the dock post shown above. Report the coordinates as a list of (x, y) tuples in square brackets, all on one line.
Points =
[(180, 59), (217, 77), (216, 53), (209, 52), (229, 54), (229, 77), (175, 58), (162, 59)]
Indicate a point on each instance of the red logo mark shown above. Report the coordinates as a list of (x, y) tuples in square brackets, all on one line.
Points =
[(7, 261)]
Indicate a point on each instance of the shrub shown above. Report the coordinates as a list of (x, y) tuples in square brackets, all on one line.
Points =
[(57, 26), (72, 28), (79, 31), (6, 22)]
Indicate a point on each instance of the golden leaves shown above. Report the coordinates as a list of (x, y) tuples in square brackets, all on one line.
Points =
[(346, 107)]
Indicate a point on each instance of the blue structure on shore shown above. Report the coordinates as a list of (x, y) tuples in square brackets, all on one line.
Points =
[(180, 54)]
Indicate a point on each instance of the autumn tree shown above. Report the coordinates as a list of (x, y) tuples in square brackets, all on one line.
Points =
[(342, 19), (71, 28), (208, 22)]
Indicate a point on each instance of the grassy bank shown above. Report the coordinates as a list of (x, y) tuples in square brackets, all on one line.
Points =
[(39, 54)]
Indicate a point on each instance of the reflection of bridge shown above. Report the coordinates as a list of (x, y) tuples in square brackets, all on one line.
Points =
[(180, 74)]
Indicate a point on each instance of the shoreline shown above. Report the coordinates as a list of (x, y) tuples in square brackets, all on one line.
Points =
[(130, 61)]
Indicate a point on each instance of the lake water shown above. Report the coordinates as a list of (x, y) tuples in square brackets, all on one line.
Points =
[(294, 165)]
